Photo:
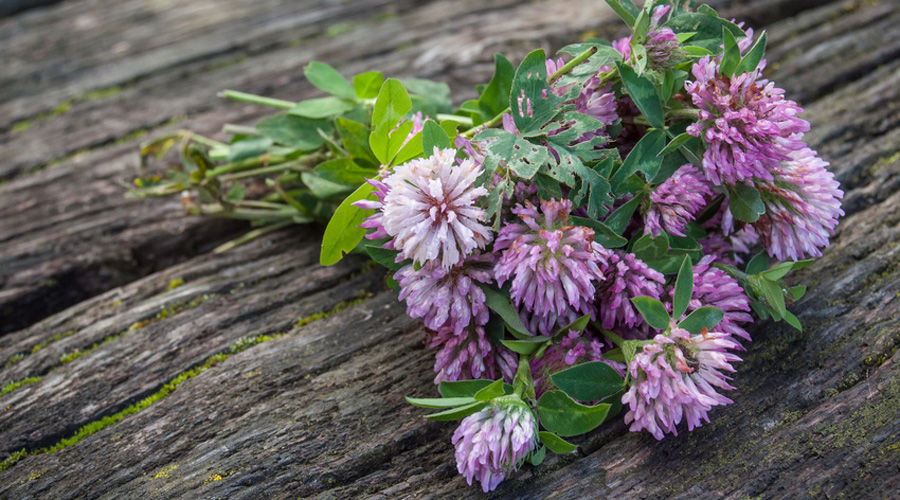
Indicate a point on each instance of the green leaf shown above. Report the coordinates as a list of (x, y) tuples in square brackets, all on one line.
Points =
[(500, 303), (523, 157), (684, 288), (344, 171), (467, 388), (343, 232), (385, 257), (603, 235), (562, 415), (732, 58), (641, 28), (367, 84), (385, 143), (705, 316), (589, 381), (536, 457), (778, 272), (668, 85), (328, 79), (751, 61), (707, 29), (622, 11), (792, 320), (800, 264), (578, 325), (494, 98), (530, 91), (696, 51), (407, 147), (391, 106), (758, 264), (555, 443), (440, 402), (797, 292), (322, 107), (457, 413), (653, 311), (643, 93), (249, 148), (648, 247), (525, 346), (675, 143), (495, 389), (355, 136), (433, 136), (324, 188), (294, 131), (619, 219), (428, 96), (644, 157), (236, 193), (745, 203), (774, 297)]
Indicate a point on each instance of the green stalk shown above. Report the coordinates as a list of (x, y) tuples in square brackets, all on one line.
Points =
[(580, 58), (232, 129), (250, 236), (684, 113), (272, 169), (493, 122), (245, 164), (255, 99), (464, 120)]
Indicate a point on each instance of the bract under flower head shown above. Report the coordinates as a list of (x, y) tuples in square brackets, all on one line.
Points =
[(495, 441), (431, 211), (748, 125), (675, 377), (552, 265)]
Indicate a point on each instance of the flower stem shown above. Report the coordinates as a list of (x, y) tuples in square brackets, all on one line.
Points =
[(255, 99), (250, 236), (691, 113), (265, 160), (580, 58), (232, 129)]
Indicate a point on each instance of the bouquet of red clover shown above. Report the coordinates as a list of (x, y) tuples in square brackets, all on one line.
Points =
[(577, 241)]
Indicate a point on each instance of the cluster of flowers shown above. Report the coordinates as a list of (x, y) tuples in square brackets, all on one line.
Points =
[(432, 211)]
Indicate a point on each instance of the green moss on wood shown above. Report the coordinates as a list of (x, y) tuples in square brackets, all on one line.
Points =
[(8, 388)]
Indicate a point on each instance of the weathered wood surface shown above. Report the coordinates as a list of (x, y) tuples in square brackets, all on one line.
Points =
[(318, 412)]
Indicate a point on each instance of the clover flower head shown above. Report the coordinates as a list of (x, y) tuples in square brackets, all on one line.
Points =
[(677, 201), (447, 298), (626, 277), (802, 207), (748, 125), (431, 209), (552, 265), (675, 377), (495, 442), (470, 355)]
